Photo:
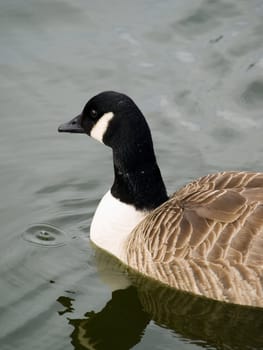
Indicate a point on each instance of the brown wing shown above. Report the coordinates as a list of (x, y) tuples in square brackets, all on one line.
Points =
[(207, 239)]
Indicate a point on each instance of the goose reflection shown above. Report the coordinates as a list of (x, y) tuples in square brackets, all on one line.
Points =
[(121, 323)]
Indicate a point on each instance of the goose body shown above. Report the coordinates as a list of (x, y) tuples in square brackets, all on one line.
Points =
[(207, 238)]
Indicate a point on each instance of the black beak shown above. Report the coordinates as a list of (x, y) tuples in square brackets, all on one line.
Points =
[(73, 126)]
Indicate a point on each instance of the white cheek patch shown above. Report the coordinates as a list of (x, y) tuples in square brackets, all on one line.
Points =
[(100, 128)]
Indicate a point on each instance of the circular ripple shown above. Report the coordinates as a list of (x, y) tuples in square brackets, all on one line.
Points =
[(45, 235)]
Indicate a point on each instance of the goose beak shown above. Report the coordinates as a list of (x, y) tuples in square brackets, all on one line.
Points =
[(73, 126)]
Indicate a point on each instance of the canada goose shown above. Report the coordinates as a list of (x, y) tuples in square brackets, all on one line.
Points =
[(207, 238)]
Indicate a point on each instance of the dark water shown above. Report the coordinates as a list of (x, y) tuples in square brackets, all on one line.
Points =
[(195, 68)]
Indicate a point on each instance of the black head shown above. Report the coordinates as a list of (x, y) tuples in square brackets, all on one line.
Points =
[(111, 118)]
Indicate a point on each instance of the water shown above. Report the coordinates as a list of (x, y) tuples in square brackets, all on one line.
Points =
[(45, 235), (196, 70)]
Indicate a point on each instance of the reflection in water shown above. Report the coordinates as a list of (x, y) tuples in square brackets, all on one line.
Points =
[(119, 325), (208, 323), (202, 321), (67, 303)]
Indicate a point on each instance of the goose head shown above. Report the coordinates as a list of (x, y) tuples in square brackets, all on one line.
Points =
[(113, 119)]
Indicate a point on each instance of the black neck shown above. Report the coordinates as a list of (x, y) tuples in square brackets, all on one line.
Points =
[(138, 180)]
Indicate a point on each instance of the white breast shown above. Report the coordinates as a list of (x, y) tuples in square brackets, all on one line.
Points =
[(112, 223)]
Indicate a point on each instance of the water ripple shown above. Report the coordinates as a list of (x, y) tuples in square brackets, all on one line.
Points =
[(45, 235)]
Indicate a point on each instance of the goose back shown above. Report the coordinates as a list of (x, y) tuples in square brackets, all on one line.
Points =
[(206, 239)]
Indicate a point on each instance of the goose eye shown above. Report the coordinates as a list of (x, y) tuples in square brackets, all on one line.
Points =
[(93, 114)]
